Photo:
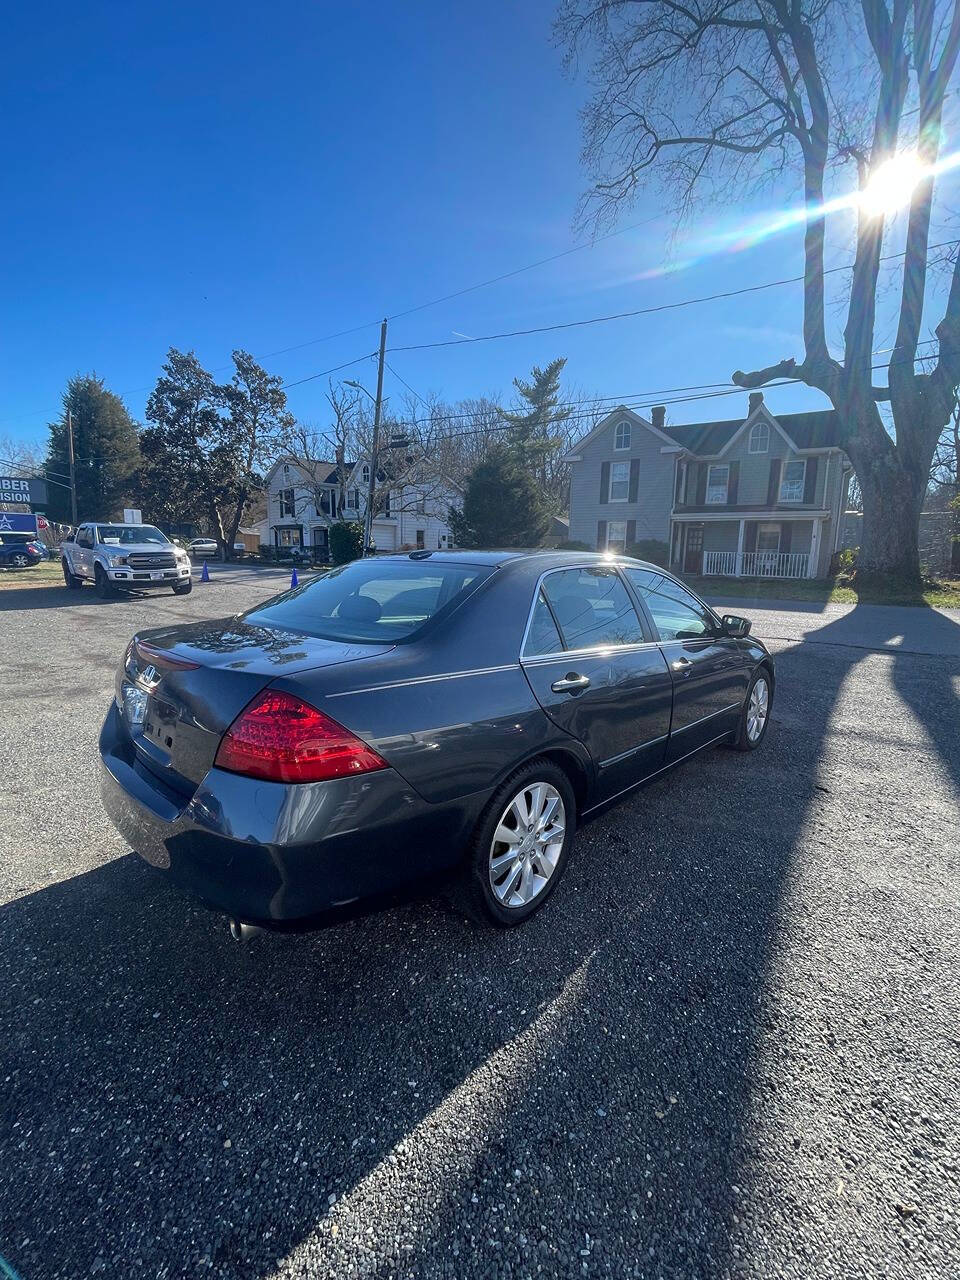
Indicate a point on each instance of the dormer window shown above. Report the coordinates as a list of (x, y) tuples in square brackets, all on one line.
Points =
[(759, 437), (621, 436)]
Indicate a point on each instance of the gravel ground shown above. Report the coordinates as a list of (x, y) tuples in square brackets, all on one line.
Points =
[(729, 1047)]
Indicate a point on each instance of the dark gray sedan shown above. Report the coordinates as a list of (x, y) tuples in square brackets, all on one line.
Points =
[(410, 719)]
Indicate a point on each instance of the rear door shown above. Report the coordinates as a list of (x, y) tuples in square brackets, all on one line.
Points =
[(710, 671), (596, 672)]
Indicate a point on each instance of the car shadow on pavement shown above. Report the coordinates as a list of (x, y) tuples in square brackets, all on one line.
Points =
[(407, 1094)]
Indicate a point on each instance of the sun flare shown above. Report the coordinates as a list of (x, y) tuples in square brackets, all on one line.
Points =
[(892, 185)]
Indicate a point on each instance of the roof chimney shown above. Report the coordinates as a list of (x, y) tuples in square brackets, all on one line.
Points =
[(756, 400), (658, 415)]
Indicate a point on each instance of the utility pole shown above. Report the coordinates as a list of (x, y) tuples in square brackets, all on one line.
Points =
[(73, 474), (374, 445)]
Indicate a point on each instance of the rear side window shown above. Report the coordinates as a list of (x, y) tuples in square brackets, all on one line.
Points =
[(592, 608), (677, 614), (370, 601), (543, 636)]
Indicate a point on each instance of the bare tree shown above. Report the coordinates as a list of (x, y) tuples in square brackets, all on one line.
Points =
[(719, 95)]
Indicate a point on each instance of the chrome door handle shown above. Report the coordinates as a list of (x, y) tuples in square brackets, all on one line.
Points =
[(682, 666), (571, 683)]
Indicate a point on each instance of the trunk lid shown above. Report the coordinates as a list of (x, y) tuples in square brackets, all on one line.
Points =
[(198, 679)]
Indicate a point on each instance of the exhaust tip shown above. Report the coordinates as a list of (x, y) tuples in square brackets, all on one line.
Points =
[(241, 932)]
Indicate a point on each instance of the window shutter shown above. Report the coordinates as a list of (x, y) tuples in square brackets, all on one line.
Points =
[(631, 533), (634, 478), (701, 484), (601, 532), (605, 483), (810, 481), (733, 484), (773, 485), (750, 536), (676, 490), (786, 536)]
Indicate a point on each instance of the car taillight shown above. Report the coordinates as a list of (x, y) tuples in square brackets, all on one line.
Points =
[(283, 739)]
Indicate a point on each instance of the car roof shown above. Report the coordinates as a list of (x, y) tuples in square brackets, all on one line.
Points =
[(542, 557)]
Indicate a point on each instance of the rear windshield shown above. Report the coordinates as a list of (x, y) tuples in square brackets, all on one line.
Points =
[(371, 601), (124, 534)]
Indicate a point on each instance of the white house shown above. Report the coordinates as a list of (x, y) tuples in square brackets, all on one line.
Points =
[(301, 508)]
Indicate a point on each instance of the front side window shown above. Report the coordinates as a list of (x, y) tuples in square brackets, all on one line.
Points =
[(678, 615), (791, 481), (621, 437), (759, 437), (617, 535), (370, 602), (543, 636), (127, 534), (84, 538), (718, 478), (619, 481), (592, 608)]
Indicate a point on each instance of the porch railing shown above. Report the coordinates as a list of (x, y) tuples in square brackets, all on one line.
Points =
[(756, 564)]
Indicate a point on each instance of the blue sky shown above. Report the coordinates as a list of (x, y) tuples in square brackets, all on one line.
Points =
[(209, 176)]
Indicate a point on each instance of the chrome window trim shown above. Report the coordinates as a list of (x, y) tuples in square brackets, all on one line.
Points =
[(616, 567)]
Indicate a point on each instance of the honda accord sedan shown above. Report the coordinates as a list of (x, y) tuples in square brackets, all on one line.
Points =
[(417, 719)]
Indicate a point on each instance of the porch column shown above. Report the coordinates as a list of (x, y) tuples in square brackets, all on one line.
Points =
[(814, 549), (739, 571)]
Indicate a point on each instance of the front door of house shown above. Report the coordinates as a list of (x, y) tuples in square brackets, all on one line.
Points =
[(693, 556)]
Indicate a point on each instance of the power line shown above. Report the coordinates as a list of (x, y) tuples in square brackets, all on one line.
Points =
[(642, 311), (324, 372), (415, 394)]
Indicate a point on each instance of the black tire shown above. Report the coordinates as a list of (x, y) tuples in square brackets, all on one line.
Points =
[(747, 738), (474, 895), (71, 579), (183, 588), (104, 587)]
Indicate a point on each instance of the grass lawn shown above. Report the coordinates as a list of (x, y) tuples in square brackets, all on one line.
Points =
[(46, 574), (942, 593)]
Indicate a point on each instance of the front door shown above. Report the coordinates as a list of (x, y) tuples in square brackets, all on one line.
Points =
[(709, 670), (693, 556), (597, 675)]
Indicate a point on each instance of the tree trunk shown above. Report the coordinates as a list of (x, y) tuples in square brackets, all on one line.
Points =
[(892, 498)]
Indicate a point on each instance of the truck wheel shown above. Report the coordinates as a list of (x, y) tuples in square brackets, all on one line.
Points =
[(71, 579), (103, 584), (183, 588)]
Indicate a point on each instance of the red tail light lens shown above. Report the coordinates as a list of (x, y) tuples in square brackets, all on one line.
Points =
[(283, 739)]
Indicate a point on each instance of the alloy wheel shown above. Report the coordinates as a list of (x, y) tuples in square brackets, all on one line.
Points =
[(21, 561), (527, 844), (757, 709)]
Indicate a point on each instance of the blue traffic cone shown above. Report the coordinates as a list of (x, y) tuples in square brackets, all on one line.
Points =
[(293, 580), (205, 576)]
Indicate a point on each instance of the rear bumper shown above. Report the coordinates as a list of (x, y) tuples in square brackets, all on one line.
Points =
[(279, 855)]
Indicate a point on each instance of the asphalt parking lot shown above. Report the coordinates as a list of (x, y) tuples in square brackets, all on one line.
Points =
[(729, 1047)]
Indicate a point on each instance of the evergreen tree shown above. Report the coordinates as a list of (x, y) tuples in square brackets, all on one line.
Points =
[(106, 451), (530, 426), (502, 505)]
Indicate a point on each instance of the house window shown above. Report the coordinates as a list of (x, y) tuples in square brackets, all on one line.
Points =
[(768, 537), (421, 539), (617, 535), (365, 473), (718, 477), (791, 480), (288, 537), (619, 481), (759, 437), (421, 504), (621, 436), (353, 498), (286, 502)]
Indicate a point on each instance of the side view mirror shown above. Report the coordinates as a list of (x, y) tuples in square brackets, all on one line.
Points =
[(733, 625)]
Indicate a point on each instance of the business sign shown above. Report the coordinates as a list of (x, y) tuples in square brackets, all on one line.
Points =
[(17, 489), (17, 522)]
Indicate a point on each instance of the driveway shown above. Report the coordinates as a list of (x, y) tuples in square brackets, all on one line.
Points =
[(728, 1047)]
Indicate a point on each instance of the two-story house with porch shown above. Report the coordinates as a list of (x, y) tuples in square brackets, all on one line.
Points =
[(302, 504), (760, 496)]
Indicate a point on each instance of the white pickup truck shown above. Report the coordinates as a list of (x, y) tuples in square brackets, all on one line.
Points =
[(123, 556)]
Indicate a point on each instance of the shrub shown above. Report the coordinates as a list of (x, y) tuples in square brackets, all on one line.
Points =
[(651, 549), (346, 541), (571, 544), (844, 562)]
